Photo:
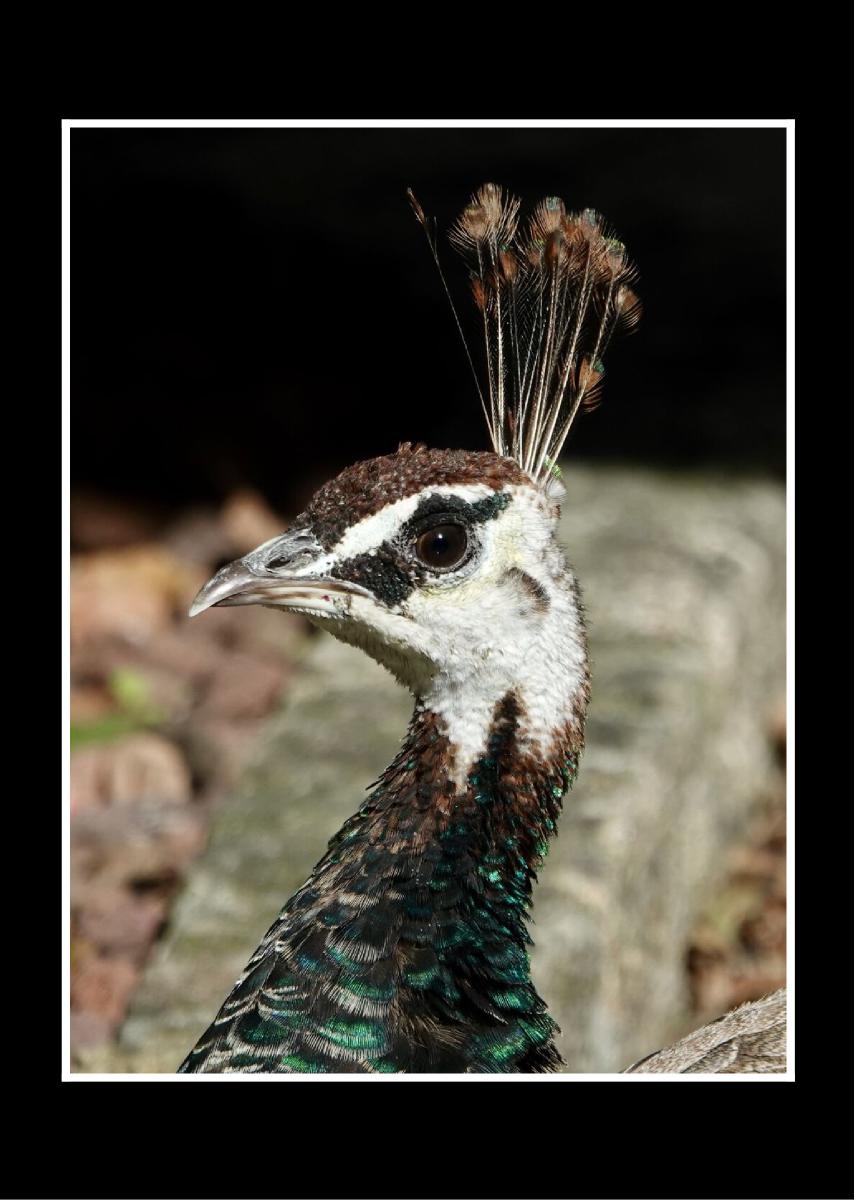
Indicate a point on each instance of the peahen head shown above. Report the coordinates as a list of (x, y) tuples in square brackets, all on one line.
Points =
[(406, 949), (443, 566)]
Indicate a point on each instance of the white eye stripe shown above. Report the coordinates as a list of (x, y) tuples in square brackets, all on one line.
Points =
[(380, 527)]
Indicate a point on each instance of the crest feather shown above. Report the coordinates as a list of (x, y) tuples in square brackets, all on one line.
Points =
[(550, 297)]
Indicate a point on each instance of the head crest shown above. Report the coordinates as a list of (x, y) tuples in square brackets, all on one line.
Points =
[(550, 296)]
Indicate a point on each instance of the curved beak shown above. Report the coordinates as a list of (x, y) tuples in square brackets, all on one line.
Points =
[(286, 572)]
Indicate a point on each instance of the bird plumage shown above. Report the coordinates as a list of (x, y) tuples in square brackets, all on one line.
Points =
[(749, 1040), (406, 949)]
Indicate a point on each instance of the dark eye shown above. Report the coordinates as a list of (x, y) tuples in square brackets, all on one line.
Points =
[(443, 547)]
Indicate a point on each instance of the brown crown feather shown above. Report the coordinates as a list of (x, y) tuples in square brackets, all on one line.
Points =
[(365, 487)]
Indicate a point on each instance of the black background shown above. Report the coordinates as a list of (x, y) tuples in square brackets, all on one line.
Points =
[(788, 1139), (259, 307)]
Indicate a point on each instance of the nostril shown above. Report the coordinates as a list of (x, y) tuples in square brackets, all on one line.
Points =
[(292, 561)]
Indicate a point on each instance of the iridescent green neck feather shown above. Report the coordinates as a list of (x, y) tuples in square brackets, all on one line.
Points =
[(407, 948)]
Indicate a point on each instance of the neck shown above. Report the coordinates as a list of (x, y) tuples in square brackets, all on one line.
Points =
[(407, 948), (539, 667), (430, 883), (493, 829)]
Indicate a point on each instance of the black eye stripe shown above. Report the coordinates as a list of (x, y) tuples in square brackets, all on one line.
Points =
[(419, 525), (385, 573), (449, 510), (393, 569)]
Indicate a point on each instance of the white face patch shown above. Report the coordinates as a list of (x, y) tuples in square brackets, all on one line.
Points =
[(508, 622), (498, 637)]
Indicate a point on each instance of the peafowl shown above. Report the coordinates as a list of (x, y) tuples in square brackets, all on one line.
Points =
[(407, 948)]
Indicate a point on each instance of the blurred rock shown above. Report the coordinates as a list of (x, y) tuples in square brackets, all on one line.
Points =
[(128, 846), (140, 767), (684, 587), (216, 750)]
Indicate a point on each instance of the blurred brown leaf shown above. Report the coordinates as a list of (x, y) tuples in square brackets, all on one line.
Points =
[(99, 522), (90, 702), (199, 536), (103, 986), (242, 686), (738, 950), (129, 593), (120, 923)]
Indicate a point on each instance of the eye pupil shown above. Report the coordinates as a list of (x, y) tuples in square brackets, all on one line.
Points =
[(443, 546)]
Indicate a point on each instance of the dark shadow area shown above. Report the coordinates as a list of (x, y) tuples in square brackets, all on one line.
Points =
[(259, 307)]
